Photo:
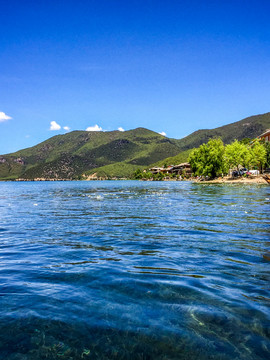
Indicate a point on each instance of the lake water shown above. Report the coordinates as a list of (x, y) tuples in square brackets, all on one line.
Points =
[(134, 270)]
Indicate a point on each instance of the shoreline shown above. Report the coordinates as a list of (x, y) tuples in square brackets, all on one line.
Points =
[(259, 180), (228, 180)]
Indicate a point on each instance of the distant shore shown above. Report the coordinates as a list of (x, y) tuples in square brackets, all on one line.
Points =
[(225, 180), (229, 180), (221, 180)]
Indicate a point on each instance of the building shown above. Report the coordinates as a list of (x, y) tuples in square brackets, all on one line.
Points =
[(180, 169), (265, 136), (157, 170)]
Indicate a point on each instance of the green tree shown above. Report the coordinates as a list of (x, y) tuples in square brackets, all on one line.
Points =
[(247, 158), (137, 174), (237, 154), (208, 159), (148, 175), (245, 141), (259, 154), (267, 148)]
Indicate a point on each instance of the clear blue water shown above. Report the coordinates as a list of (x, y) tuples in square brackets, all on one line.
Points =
[(134, 270)]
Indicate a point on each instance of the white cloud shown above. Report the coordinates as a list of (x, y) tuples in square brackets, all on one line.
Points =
[(55, 126), (4, 117), (162, 133), (67, 128), (27, 136), (94, 128), (120, 129)]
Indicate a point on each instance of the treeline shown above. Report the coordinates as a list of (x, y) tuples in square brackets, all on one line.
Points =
[(148, 175), (214, 158)]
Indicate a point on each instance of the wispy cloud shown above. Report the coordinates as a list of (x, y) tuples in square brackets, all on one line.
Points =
[(67, 128), (55, 126), (94, 128), (162, 133), (120, 129), (4, 117)]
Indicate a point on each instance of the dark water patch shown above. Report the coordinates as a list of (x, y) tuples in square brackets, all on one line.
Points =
[(39, 339)]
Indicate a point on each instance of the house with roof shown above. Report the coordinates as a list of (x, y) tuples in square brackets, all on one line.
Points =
[(265, 136), (157, 170), (182, 168)]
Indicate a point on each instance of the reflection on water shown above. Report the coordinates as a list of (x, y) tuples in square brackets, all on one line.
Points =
[(134, 270)]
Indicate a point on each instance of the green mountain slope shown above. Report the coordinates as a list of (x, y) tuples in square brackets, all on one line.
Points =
[(115, 153), (173, 160), (71, 155), (249, 127)]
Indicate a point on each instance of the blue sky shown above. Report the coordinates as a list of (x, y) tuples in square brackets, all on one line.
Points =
[(170, 66)]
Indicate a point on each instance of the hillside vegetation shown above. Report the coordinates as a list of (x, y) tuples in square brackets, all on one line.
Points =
[(174, 160), (249, 127), (71, 155), (115, 154)]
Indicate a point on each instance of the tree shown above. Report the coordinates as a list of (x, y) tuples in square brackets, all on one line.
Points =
[(247, 158), (245, 141), (137, 174), (208, 159), (267, 148), (148, 175), (237, 154), (259, 153), (159, 176)]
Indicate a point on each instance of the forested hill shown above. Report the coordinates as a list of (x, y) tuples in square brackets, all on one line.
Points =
[(249, 127), (114, 153), (71, 155)]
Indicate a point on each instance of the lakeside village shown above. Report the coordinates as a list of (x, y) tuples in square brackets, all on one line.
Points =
[(241, 161)]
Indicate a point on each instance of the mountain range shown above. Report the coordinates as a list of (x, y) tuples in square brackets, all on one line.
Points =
[(80, 154)]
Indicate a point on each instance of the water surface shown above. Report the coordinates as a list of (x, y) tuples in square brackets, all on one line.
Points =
[(134, 270)]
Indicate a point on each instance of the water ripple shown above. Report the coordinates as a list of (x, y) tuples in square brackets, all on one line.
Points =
[(134, 270)]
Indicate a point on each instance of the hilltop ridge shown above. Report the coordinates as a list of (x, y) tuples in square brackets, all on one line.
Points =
[(249, 127)]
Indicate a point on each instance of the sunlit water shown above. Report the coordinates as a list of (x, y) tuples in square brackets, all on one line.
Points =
[(134, 270)]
